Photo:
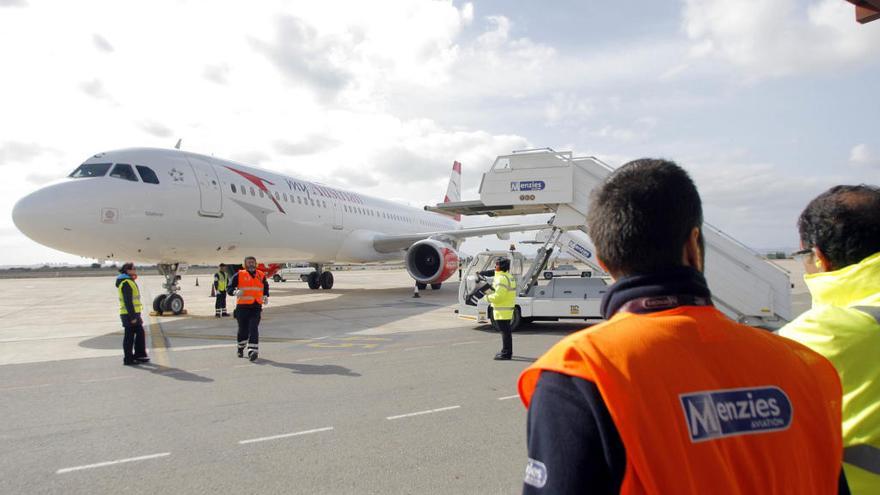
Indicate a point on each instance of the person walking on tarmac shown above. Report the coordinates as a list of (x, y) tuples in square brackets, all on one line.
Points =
[(134, 343), (503, 301), (840, 236), (221, 280), (669, 395), (251, 287)]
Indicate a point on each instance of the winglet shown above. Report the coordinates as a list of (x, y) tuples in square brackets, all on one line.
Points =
[(453, 191), (177, 146)]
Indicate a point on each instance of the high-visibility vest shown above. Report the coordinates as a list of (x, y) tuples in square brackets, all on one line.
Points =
[(251, 287), (706, 405), (222, 280), (844, 326), (135, 296), (503, 299)]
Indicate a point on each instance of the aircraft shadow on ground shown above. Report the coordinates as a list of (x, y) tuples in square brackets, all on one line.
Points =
[(309, 369)]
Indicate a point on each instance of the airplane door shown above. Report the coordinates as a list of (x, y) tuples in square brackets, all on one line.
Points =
[(337, 216), (209, 188)]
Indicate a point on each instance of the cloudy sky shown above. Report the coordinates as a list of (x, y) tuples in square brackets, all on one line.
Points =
[(765, 103)]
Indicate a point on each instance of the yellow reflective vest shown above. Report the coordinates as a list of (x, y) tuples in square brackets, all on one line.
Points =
[(503, 299), (135, 297), (222, 280), (844, 326)]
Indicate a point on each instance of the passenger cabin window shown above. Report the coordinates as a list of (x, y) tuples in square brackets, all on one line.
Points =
[(147, 174), (123, 171), (90, 170), (232, 186)]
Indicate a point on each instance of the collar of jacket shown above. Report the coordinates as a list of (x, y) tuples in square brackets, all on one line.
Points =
[(677, 280), (846, 286)]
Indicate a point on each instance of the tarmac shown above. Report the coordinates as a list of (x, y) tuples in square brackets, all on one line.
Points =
[(359, 389)]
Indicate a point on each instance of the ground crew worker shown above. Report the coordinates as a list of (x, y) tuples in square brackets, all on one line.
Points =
[(221, 280), (503, 301), (134, 343), (840, 237), (669, 395), (251, 288)]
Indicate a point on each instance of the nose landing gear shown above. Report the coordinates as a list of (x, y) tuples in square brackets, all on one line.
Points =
[(171, 301), (319, 279)]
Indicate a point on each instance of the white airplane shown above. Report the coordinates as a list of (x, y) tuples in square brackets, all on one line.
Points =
[(173, 207)]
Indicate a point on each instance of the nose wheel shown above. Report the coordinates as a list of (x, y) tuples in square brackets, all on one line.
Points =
[(319, 279), (171, 301)]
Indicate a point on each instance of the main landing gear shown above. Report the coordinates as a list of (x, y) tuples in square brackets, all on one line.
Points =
[(171, 301), (319, 279)]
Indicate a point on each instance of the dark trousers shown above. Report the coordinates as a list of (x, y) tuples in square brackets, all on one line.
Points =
[(506, 336), (220, 302), (248, 325), (134, 342)]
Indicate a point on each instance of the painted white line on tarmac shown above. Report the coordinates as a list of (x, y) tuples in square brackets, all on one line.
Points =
[(111, 463), (470, 342), (419, 347), (285, 435), (430, 411), (509, 397), (368, 353), (26, 387)]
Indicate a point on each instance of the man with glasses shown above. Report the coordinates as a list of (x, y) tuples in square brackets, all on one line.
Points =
[(840, 236)]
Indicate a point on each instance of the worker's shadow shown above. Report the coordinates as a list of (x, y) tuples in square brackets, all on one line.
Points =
[(176, 373), (524, 359), (309, 369)]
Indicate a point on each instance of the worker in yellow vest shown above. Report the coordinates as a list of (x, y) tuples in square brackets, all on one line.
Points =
[(669, 395), (840, 236), (134, 345), (503, 301), (221, 281)]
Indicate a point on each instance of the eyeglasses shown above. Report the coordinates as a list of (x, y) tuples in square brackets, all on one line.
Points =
[(803, 253)]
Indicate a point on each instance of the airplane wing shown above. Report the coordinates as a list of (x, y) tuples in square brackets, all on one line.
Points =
[(390, 243)]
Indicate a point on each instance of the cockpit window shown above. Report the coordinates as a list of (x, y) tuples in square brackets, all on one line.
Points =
[(123, 171), (147, 174), (90, 170)]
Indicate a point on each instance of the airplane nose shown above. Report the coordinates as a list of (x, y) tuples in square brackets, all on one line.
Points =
[(32, 215)]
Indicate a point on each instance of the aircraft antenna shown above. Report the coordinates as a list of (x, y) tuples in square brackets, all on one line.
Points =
[(177, 146)]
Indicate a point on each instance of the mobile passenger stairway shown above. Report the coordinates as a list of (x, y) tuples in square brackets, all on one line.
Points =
[(744, 286)]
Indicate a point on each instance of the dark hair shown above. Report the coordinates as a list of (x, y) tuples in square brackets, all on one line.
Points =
[(844, 222), (250, 258), (126, 267), (642, 215), (503, 263), (222, 265)]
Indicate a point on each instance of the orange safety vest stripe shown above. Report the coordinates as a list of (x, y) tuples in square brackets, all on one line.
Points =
[(647, 367), (251, 287)]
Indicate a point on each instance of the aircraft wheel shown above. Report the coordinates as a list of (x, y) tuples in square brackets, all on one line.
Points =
[(314, 281), (326, 280), (158, 301), (173, 303), (277, 278), (421, 286), (436, 286), (548, 275)]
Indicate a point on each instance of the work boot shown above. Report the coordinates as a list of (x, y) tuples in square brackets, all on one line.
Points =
[(141, 359), (129, 362), (225, 314), (252, 355), (503, 356), (241, 352)]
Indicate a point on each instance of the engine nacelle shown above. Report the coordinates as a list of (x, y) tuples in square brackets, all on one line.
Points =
[(431, 261)]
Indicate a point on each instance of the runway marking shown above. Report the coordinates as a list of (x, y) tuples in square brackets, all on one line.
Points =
[(509, 397), (368, 353), (111, 463), (25, 387), (419, 347), (160, 341), (285, 435), (470, 342), (430, 411)]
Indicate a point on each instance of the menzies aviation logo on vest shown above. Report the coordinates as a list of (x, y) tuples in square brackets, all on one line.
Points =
[(743, 411), (527, 185)]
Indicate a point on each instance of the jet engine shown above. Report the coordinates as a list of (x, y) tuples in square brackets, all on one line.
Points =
[(431, 261)]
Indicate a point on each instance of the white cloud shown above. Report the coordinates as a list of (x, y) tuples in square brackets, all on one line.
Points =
[(863, 156), (778, 38)]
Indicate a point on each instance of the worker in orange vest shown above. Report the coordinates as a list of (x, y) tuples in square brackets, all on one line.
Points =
[(669, 395), (251, 288)]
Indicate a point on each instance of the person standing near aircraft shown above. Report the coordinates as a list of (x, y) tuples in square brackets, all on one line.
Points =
[(840, 236), (669, 395), (134, 343), (221, 280), (251, 287), (503, 301)]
